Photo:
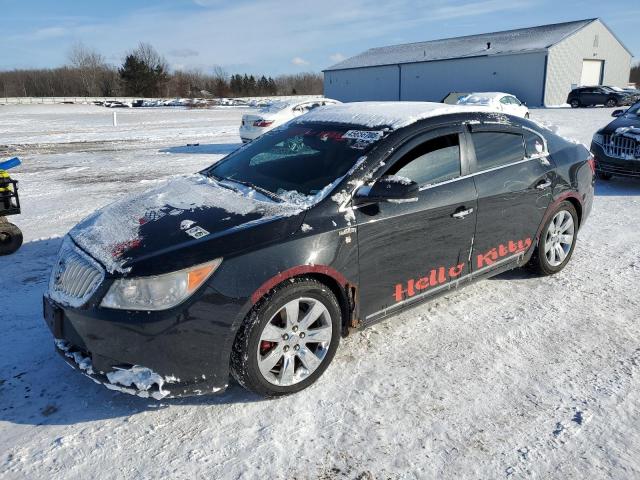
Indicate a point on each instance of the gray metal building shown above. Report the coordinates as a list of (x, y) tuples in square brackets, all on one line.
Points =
[(540, 65)]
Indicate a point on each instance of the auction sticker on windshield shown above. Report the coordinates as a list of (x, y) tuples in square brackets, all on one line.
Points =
[(364, 135)]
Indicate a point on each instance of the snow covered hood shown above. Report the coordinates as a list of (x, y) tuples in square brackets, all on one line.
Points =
[(182, 211), (393, 115)]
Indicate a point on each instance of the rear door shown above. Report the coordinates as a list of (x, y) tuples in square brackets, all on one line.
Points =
[(411, 249), (514, 178), (590, 96)]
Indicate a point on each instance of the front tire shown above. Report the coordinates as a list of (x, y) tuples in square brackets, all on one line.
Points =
[(557, 241), (287, 341), (10, 237), (575, 103)]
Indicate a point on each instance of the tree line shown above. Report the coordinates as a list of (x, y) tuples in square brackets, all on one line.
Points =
[(635, 75), (145, 73)]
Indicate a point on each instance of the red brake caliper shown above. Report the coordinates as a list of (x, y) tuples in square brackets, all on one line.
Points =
[(265, 346)]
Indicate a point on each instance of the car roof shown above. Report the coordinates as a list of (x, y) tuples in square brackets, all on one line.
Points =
[(486, 97), (292, 103), (393, 115)]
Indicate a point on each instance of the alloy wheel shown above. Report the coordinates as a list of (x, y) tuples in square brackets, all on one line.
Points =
[(295, 341), (559, 238)]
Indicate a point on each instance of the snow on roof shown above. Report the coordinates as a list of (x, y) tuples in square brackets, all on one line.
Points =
[(509, 41), (482, 98), (382, 114)]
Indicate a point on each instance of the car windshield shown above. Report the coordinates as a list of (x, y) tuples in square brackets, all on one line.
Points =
[(297, 159), (274, 107), (475, 100)]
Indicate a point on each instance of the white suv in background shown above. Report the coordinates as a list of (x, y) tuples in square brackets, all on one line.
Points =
[(502, 102), (255, 124)]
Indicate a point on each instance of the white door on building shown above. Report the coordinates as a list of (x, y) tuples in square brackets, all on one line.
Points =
[(591, 72)]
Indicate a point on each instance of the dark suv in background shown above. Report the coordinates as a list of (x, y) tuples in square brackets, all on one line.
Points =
[(616, 147), (607, 96)]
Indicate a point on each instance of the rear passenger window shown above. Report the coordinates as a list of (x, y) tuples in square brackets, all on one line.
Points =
[(497, 148), (434, 161)]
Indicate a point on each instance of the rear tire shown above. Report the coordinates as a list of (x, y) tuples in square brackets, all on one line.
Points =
[(575, 103), (557, 241), (281, 347), (611, 103), (10, 238)]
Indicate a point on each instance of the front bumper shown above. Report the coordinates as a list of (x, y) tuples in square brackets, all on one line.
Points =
[(615, 166), (179, 352)]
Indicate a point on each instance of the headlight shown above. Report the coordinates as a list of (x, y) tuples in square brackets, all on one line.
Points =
[(158, 292), (598, 138)]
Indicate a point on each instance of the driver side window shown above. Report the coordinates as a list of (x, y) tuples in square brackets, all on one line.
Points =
[(434, 161)]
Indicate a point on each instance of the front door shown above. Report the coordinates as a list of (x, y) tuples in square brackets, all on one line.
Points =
[(513, 178), (411, 249)]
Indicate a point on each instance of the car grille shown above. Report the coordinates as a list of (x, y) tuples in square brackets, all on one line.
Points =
[(617, 146), (75, 276)]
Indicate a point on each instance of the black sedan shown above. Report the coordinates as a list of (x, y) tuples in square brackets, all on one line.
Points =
[(259, 264), (616, 147)]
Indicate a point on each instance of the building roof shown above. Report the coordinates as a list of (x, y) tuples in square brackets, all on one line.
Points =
[(521, 40), (383, 114)]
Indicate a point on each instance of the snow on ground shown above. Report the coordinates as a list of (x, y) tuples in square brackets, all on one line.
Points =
[(514, 377)]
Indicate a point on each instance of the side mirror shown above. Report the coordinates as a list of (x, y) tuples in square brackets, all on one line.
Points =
[(387, 189), (617, 113)]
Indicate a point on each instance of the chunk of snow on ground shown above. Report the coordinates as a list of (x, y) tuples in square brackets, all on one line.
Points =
[(306, 228)]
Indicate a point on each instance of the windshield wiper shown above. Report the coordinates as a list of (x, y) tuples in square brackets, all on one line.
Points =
[(263, 191)]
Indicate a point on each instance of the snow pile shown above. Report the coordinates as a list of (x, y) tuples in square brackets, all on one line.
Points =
[(393, 115)]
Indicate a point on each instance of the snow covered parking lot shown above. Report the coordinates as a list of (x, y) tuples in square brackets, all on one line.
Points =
[(513, 377)]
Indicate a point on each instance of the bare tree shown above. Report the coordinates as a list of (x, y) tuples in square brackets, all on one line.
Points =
[(91, 67)]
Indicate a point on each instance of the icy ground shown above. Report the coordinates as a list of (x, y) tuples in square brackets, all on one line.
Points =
[(514, 377)]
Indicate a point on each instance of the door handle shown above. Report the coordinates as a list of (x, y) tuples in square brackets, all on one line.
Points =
[(462, 213), (544, 184)]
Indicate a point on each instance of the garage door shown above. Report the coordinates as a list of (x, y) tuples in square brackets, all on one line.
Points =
[(591, 72)]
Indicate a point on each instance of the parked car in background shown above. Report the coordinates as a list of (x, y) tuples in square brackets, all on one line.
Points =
[(616, 147), (599, 95), (348, 215), (116, 104), (502, 102), (255, 124)]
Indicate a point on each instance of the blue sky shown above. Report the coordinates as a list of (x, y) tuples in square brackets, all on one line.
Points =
[(272, 36)]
